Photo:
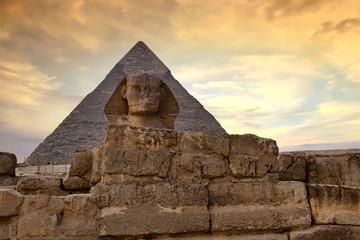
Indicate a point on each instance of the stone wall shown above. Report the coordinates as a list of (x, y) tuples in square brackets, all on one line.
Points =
[(161, 184)]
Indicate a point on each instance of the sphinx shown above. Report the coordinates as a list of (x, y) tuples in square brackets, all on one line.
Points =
[(142, 101)]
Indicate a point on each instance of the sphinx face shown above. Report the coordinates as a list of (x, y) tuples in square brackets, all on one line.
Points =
[(143, 94)]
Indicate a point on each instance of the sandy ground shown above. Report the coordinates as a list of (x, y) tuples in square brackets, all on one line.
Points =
[(42, 170)]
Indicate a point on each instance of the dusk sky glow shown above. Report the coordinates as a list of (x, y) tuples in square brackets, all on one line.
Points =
[(282, 69)]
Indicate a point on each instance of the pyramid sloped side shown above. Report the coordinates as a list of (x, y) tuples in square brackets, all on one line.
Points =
[(84, 127)]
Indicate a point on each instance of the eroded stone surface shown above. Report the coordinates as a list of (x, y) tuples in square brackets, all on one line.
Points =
[(235, 237), (7, 163), (253, 218), (40, 185), (331, 204), (327, 232), (10, 201), (154, 220), (341, 169), (292, 168)]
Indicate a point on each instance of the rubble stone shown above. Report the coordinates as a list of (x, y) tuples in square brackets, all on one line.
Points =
[(7, 163)]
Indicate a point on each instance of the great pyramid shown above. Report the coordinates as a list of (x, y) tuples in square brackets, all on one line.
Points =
[(84, 128)]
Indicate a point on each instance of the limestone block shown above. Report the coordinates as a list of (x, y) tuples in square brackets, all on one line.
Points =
[(334, 169), (327, 232), (249, 144), (258, 206), (194, 167), (7, 163), (136, 161), (4, 231), (233, 237), (252, 166), (40, 185), (37, 224), (152, 219), (331, 204), (10, 201), (138, 136), (292, 168), (79, 216), (6, 180), (257, 218), (76, 183), (80, 173), (254, 193), (203, 142), (169, 195)]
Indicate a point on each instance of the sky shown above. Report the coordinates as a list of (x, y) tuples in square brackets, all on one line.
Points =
[(282, 69)]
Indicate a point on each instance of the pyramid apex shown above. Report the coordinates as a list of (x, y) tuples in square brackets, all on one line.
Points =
[(140, 59)]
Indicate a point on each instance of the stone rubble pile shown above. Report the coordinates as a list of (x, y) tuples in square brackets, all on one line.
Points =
[(145, 183)]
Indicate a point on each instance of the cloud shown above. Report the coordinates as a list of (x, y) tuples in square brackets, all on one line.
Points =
[(31, 102), (345, 25)]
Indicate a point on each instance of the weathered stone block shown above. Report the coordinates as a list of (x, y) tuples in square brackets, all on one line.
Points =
[(10, 201), (249, 144), (254, 193), (204, 143), (234, 237), (292, 168), (257, 218), (136, 161), (7, 163), (37, 224), (79, 216), (327, 232), (76, 183), (40, 185), (331, 204), (150, 220), (4, 231), (194, 167), (334, 169), (6, 180), (252, 166), (137, 136), (170, 195)]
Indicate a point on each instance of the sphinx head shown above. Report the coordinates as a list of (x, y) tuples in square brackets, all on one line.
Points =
[(142, 100), (143, 94)]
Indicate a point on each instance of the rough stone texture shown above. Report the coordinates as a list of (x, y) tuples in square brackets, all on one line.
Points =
[(258, 206), (292, 168), (80, 174), (48, 216), (10, 202), (235, 237), (341, 169), (327, 232), (40, 185), (4, 231), (252, 156), (164, 194), (331, 204), (7, 163), (152, 220), (162, 208), (263, 193), (255, 218), (7, 180), (84, 128)]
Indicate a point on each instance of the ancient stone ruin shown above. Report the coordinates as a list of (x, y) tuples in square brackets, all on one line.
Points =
[(146, 180), (85, 126)]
